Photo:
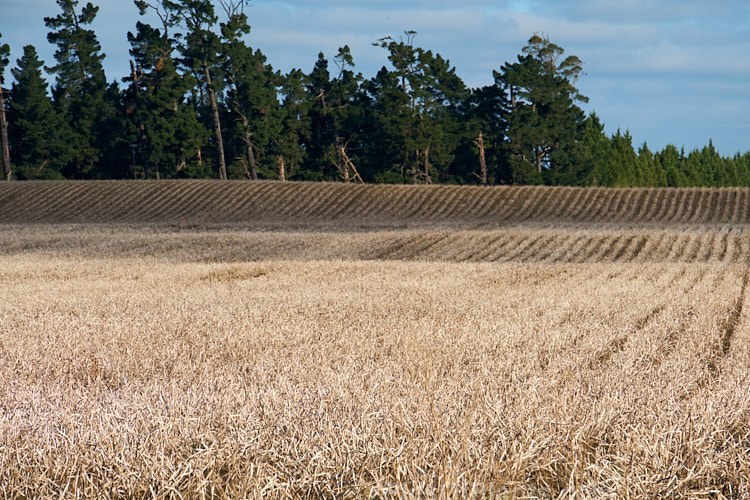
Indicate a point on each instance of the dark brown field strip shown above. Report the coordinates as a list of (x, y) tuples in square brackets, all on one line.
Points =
[(237, 201)]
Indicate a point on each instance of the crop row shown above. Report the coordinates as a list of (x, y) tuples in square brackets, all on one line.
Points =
[(722, 244), (230, 202)]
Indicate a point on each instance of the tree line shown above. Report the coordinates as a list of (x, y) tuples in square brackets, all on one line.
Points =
[(199, 102)]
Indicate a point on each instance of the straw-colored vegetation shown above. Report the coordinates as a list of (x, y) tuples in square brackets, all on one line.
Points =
[(363, 359)]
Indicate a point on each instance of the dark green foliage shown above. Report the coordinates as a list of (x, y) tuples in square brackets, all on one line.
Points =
[(200, 47), (295, 126), (254, 117), (160, 124), (80, 91), (544, 124), (40, 137), (417, 106)]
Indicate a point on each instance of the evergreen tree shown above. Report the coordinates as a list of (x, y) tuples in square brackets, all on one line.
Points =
[(543, 119), (40, 137), (484, 111), (252, 97), (671, 159), (653, 172), (80, 90), (334, 118), (321, 126), (200, 49), (625, 161), (160, 122), (288, 146), (389, 119), (589, 162), (4, 144), (427, 110)]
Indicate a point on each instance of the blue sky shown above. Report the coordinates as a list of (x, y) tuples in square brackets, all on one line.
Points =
[(670, 71)]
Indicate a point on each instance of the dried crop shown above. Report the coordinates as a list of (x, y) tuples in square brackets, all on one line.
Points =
[(530, 360)]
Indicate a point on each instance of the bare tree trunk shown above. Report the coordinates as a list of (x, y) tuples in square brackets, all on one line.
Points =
[(7, 172), (347, 164), (217, 125), (482, 162), (247, 137), (539, 158), (250, 155), (427, 179), (142, 140), (280, 163), (340, 164)]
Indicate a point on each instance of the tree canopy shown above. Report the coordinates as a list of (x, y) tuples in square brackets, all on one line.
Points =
[(200, 101)]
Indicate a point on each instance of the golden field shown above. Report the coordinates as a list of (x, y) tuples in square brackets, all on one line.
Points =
[(455, 352)]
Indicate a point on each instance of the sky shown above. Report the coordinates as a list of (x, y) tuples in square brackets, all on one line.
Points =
[(668, 71)]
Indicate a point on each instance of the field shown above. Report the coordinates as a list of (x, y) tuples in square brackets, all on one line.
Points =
[(229, 340)]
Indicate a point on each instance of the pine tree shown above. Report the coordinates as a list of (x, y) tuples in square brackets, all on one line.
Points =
[(543, 118), (484, 111), (161, 123), (389, 118), (80, 91), (40, 137), (429, 106), (334, 117), (654, 174), (200, 48), (252, 96), (289, 144), (625, 161), (671, 159)]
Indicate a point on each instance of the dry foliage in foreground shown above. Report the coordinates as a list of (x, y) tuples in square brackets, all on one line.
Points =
[(131, 377)]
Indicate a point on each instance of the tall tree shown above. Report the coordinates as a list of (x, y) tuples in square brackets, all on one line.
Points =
[(543, 118), (4, 146), (80, 90), (484, 112), (432, 93), (289, 145), (252, 96), (332, 115), (164, 126), (40, 137), (200, 48)]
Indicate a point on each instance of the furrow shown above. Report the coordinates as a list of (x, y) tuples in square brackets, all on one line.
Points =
[(586, 204)]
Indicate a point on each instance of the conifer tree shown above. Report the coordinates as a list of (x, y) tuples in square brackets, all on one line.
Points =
[(288, 145), (252, 93), (432, 93), (333, 117), (389, 118), (671, 159), (653, 172), (40, 137), (80, 90), (543, 118), (484, 111), (200, 48), (164, 126)]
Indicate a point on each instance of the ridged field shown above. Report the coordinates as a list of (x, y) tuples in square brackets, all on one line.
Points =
[(211, 221), (247, 202)]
